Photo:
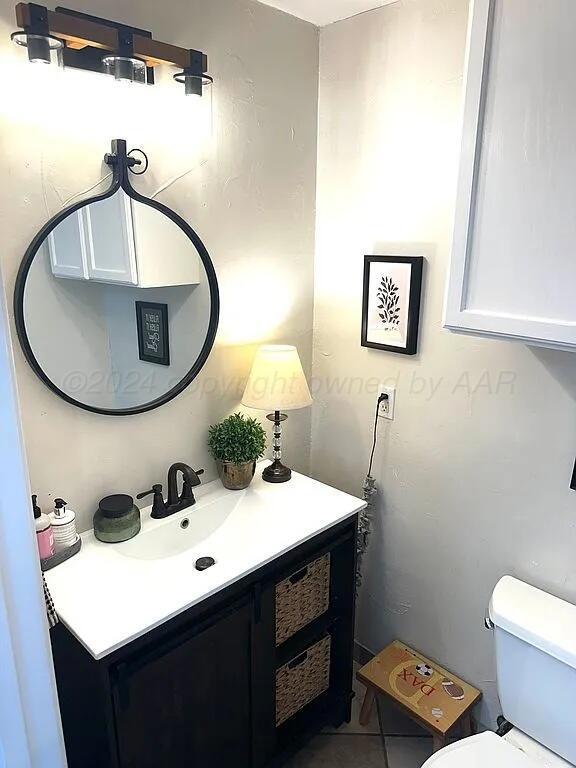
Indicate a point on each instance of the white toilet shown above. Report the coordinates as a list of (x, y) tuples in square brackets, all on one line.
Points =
[(536, 668)]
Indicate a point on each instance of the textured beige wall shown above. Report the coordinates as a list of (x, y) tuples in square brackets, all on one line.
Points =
[(474, 471), (249, 194)]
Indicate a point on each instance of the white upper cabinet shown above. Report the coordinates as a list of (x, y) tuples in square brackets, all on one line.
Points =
[(165, 254), (119, 240), (67, 246), (513, 270), (111, 254)]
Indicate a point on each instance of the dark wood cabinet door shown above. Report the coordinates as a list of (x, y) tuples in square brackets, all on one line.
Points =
[(187, 703)]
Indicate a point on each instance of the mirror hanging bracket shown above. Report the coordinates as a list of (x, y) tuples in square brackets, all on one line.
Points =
[(121, 161)]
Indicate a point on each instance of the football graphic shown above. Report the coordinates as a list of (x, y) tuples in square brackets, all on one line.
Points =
[(453, 690)]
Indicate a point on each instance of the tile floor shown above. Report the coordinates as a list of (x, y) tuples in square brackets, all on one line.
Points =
[(352, 746)]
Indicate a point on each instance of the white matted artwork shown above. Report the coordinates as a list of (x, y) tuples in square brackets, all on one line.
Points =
[(391, 303)]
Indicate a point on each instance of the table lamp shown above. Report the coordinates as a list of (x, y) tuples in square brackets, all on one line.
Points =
[(277, 383)]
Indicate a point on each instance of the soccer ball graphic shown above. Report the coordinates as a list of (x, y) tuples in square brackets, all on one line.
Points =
[(425, 670)]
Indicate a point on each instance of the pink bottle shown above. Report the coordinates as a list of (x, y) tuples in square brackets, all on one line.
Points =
[(44, 533)]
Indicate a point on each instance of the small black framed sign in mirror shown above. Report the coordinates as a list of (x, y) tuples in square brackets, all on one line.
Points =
[(91, 269), (153, 333)]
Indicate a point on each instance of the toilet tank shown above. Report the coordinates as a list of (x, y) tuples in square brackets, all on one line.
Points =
[(535, 637)]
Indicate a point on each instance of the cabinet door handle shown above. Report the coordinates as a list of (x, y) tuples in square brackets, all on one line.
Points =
[(299, 575)]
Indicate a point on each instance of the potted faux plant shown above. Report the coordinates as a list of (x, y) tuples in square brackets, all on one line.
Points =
[(236, 443)]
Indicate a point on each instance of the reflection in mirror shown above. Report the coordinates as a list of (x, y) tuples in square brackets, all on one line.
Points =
[(117, 304)]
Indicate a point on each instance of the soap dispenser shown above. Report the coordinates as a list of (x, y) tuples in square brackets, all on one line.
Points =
[(64, 526), (44, 532)]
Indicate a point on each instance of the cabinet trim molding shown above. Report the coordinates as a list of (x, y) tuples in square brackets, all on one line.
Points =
[(478, 45)]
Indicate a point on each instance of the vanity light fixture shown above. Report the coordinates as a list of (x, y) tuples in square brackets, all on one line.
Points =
[(89, 42)]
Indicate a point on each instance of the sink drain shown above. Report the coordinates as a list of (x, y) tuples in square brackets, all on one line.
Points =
[(204, 562)]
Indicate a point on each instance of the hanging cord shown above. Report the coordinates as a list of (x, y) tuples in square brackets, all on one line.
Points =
[(369, 494), (161, 189), (174, 179), (85, 191), (381, 399)]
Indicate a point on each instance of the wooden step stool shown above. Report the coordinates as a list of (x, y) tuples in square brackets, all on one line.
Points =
[(429, 694)]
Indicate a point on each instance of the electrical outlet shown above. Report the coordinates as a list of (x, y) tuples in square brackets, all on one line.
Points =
[(386, 409)]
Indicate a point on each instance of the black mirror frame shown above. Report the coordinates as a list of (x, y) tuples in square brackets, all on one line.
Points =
[(121, 162)]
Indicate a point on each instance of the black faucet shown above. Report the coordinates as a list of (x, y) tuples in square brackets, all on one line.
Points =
[(175, 503), (191, 480)]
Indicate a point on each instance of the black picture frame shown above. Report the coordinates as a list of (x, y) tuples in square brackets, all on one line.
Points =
[(161, 355), (121, 163), (413, 310)]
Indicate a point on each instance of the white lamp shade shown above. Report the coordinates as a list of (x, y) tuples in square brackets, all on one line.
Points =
[(277, 381)]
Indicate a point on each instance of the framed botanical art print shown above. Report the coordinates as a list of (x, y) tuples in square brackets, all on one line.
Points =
[(391, 303)]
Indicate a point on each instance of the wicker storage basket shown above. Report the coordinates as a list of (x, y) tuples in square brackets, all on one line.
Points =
[(302, 597), (302, 680)]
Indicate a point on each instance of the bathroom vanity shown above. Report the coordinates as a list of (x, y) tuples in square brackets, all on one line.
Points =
[(159, 663)]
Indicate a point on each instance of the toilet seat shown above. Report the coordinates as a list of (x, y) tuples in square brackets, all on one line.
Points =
[(487, 750)]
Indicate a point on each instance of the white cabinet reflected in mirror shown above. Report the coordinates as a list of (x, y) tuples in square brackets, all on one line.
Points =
[(119, 240), (116, 302)]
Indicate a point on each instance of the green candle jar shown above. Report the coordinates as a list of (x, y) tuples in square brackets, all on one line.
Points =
[(116, 519)]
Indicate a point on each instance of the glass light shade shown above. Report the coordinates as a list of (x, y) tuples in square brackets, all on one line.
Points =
[(39, 46), (277, 381), (193, 84), (125, 68)]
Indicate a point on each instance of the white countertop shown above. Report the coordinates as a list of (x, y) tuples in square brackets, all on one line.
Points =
[(108, 595)]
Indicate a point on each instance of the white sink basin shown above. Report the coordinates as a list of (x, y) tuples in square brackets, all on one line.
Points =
[(181, 532), (109, 594)]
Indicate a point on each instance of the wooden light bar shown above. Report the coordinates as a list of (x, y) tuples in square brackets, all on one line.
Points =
[(79, 31), (154, 52)]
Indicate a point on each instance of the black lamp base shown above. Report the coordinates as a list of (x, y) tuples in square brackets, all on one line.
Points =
[(276, 472)]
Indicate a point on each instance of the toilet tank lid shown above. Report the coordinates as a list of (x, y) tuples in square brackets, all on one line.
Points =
[(536, 617)]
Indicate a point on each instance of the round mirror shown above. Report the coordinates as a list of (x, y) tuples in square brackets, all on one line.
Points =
[(117, 303)]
